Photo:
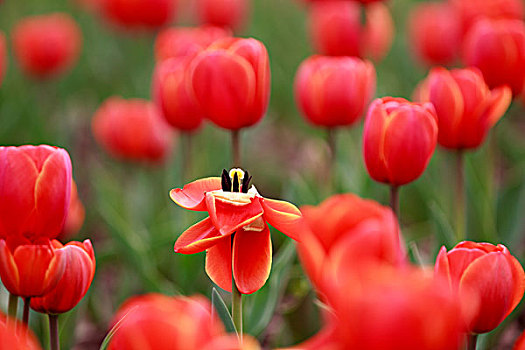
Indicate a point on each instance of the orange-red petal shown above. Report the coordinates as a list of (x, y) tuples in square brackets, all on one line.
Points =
[(283, 216), (198, 238), (219, 264), (192, 195), (229, 217)]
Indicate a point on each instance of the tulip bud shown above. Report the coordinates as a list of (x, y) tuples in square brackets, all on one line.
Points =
[(132, 129), (16, 337), (183, 41), (223, 13), (139, 14), (399, 139), (465, 107), (79, 261), (336, 29), (47, 45), (3, 56), (490, 271), (231, 82), (30, 268), (470, 11), (497, 48), (35, 188), (435, 33), (520, 343), (334, 91), (75, 214)]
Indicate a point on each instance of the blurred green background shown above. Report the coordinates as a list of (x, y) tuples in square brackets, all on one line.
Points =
[(133, 224)]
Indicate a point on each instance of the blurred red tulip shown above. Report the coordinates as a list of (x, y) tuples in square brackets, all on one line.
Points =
[(223, 13), (185, 41), (3, 56), (75, 214), (346, 229), (497, 48), (132, 129), (399, 139), (237, 214), (79, 261), (336, 29), (520, 343), (435, 33), (334, 91), (231, 81), (174, 97), (35, 188), (20, 339), (471, 11), (231, 342), (490, 271), (139, 14), (157, 321), (47, 45), (30, 268), (465, 107)]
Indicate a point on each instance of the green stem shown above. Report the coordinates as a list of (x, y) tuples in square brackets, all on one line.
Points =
[(332, 146), (460, 197), (236, 304), (54, 341), (25, 315), (236, 148), (394, 200), (12, 306), (472, 341), (187, 161)]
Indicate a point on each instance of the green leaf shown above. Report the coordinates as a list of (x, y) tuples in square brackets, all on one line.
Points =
[(114, 329), (224, 314)]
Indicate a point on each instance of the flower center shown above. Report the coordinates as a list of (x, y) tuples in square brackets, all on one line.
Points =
[(236, 180)]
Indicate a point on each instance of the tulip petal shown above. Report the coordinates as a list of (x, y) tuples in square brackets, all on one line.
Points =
[(499, 101), (518, 276), (442, 266), (231, 215), (192, 195), (34, 264), (312, 256), (198, 238), (8, 269), (459, 259), (219, 263), (284, 216), (252, 259)]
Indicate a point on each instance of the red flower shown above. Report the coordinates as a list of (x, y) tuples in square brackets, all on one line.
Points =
[(520, 343), (75, 214), (243, 66), (35, 186), (147, 14), (21, 339), (224, 13), (336, 29), (3, 56), (497, 48), (132, 129), (237, 214), (334, 91), (490, 271), (399, 139), (435, 33), (465, 107), (30, 268), (348, 230), (79, 261), (184, 41), (47, 45)]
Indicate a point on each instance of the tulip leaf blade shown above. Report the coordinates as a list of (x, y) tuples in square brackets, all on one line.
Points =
[(220, 307)]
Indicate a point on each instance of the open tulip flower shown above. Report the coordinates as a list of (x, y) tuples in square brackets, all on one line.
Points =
[(236, 233), (491, 272)]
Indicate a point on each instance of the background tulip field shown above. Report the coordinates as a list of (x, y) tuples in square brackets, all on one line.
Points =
[(133, 223)]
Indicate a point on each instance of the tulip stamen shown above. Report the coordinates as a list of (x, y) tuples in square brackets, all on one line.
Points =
[(237, 180)]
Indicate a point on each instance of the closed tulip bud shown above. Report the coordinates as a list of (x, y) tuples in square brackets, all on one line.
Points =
[(334, 91), (336, 29), (174, 97), (47, 45), (75, 214), (35, 188), (132, 129), (465, 106), (399, 139), (497, 48), (139, 14), (489, 271), (30, 268), (79, 261), (241, 65), (184, 41), (471, 11), (435, 33), (223, 13), (18, 337), (3, 56)]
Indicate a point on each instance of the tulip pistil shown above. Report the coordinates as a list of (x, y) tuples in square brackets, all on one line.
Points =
[(236, 180)]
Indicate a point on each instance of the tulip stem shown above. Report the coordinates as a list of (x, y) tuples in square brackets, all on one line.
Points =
[(53, 332), (236, 148), (460, 197), (472, 341), (12, 306), (187, 149), (25, 315), (332, 146), (394, 200)]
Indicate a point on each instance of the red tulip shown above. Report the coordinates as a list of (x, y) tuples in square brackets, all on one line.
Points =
[(336, 29), (334, 91), (241, 65), (75, 214), (47, 45), (35, 186), (157, 321), (435, 33), (490, 271), (223, 13), (184, 41), (30, 268), (147, 14), (174, 97), (471, 11), (132, 129), (231, 342), (497, 48), (79, 261), (3, 56), (399, 139), (237, 214), (17, 337), (345, 229), (520, 343)]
